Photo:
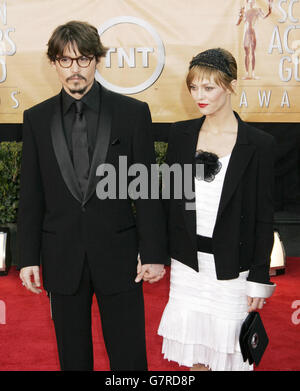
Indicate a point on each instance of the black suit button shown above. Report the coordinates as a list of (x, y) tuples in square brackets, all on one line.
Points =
[(242, 217), (83, 209), (241, 243)]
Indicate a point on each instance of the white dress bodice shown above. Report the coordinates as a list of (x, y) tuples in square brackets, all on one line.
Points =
[(208, 195)]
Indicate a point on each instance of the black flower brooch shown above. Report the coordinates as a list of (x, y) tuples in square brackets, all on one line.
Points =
[(207, 165)]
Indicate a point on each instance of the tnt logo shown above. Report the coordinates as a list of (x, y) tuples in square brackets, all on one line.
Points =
[(2, 312), (135, 58)]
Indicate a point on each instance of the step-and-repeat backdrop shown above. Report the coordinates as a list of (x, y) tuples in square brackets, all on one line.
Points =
[(150, 45)]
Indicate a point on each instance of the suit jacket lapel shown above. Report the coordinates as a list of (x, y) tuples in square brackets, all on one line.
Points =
[(102, 141), (240, 157), (62, 153), (187, 154)]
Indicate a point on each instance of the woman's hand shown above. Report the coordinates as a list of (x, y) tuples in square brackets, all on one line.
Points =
[(149, 272), (255, 303)]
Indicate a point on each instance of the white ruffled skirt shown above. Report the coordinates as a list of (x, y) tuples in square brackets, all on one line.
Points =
[(202, 320)]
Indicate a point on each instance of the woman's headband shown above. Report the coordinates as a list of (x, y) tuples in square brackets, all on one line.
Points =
[(212, 58)]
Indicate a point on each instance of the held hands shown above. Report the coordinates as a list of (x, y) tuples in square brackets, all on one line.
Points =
[(26, 275), (149, 272), (255, 303)]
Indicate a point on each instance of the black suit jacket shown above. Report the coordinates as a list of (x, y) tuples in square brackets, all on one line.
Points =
[(243, 234), (58, 223)]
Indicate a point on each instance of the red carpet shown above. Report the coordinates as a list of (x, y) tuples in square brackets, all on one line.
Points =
[(27, 340)]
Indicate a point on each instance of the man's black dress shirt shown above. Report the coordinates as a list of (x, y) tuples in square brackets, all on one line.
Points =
[(92, 104)]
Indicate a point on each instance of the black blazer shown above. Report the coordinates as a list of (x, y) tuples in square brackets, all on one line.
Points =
[(58, 223), (243, 234)]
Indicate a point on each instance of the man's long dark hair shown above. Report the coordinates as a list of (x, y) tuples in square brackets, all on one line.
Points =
[(82, 34)]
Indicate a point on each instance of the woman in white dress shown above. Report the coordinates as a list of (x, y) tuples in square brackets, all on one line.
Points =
[(220, 241)]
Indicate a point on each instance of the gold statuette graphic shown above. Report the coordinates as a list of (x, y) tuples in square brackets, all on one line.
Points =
[(250, 15)]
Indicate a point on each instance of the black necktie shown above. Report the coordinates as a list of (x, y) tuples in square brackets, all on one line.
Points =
[(80, 147)]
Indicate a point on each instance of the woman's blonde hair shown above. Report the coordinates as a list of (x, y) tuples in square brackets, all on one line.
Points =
[(200, 70)]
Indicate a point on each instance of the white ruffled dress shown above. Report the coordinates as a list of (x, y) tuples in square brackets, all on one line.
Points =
[(202, 320)]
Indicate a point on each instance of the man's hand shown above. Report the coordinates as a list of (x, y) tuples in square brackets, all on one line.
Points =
[(26, 274), (149, 272)]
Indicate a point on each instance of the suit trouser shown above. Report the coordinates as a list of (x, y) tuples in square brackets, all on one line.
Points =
[(123, 326)]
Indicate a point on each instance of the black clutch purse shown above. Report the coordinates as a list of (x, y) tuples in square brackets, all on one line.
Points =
[(253, 338)]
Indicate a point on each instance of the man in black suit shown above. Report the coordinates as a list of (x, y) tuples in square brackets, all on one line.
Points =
[(86, 244)]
